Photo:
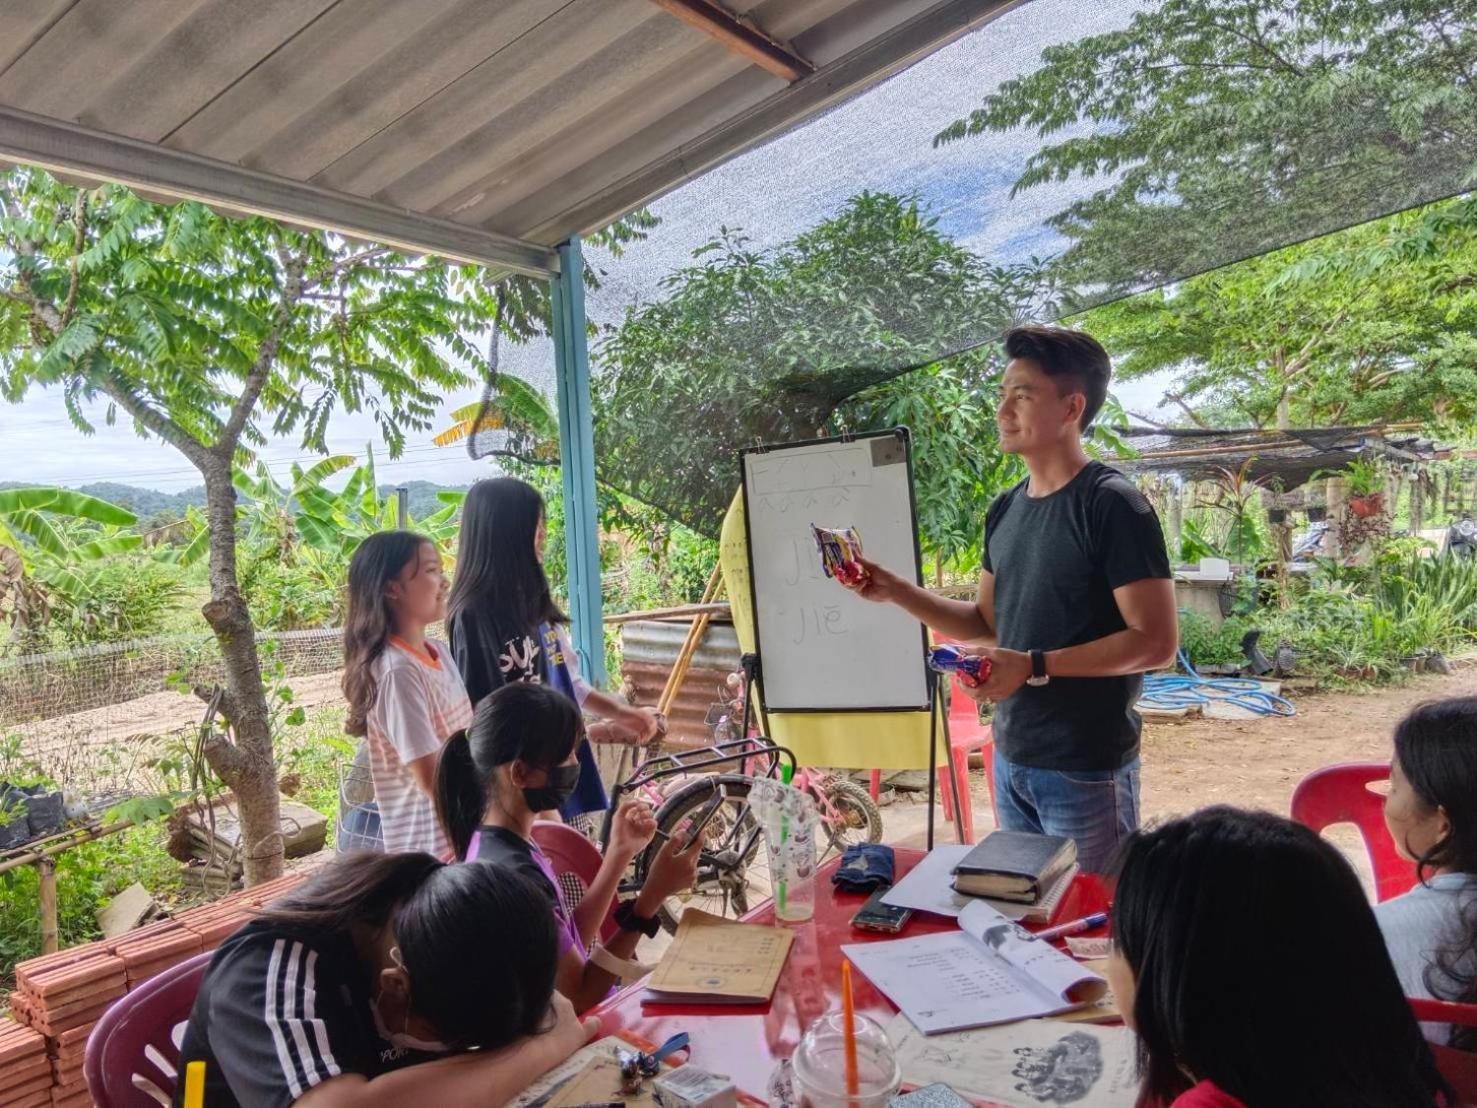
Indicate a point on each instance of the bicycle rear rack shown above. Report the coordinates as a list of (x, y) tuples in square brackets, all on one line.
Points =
[(732, 752)]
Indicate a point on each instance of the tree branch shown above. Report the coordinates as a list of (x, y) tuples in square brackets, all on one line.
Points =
[(333, 271), (1176, 398), (79, 237), (168, 430), (256, 380)]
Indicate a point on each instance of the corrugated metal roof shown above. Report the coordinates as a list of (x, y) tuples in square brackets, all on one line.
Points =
[(532, 119)]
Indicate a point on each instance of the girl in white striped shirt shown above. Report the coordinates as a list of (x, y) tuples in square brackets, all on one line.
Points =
[(405, 694)]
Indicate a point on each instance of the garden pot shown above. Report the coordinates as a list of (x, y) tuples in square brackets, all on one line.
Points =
[(1366, 506), (1276, 515), (1317, 515)]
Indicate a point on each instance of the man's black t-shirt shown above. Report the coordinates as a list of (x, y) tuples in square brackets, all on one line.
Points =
[(1056, 561), (279, 1013)]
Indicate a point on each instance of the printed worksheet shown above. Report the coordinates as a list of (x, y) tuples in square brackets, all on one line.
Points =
[(990, 971), (1024, 1065)]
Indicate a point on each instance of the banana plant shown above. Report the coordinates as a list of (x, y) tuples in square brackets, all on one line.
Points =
[(517, 409), (50, 539)]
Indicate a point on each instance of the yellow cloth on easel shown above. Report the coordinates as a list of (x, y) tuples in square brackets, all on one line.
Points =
[(837, 740)]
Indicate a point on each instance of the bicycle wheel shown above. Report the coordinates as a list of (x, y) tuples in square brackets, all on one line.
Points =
[(733, 869), (857, 817)]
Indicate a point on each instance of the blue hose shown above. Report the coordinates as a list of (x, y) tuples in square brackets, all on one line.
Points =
[(1168, 692)]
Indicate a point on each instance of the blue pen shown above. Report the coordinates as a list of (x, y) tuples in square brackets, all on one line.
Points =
[(1076, 927)]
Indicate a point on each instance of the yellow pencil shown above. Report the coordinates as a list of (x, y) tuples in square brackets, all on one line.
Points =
[(195, 1085)]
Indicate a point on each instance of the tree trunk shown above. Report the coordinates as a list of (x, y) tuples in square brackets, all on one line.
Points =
[(246, 767)]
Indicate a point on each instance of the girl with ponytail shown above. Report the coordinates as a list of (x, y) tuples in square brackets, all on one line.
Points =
[(405, 694), (362, 987), (519, 758)]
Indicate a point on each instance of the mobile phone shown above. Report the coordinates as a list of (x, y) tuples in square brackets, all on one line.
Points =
[(876, 916)]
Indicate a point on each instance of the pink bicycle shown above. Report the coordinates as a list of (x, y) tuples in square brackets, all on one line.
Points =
[(705, 792)]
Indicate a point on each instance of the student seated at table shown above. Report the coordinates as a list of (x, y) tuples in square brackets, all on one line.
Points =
[(1247, 959), (1431, 811), (520, 758), (370, 984)]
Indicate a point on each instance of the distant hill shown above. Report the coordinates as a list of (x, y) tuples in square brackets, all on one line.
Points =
[(423, 496), (156, 508), (144, 503)]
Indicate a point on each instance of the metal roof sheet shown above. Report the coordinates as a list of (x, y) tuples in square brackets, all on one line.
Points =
[(520, 121)]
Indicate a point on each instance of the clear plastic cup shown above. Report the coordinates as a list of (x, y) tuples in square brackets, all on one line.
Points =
[(818, 1067), (790, 824)]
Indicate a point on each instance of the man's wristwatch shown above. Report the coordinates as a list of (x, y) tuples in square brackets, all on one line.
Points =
[(627, 920), (1038, 670)]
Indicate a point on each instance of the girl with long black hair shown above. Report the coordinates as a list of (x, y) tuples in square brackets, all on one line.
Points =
[(1431, 811), (1248, 961), (519, 758), (385, 978), (405, 695), (505, 627)]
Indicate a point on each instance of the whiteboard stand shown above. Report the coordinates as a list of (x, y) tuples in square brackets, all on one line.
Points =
[(864, 481)]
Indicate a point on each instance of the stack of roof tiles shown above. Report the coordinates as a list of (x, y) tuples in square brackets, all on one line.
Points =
[(60, 997)]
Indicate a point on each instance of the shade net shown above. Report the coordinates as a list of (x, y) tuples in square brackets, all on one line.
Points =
[(1060, 156)]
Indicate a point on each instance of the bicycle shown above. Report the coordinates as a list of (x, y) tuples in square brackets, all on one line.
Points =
[(733, 872)]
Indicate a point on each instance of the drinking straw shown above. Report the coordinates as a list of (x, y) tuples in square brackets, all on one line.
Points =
[(848, 1011), (786, 773), (195, 1085)]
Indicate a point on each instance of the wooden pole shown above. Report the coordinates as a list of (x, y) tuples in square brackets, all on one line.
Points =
[(681, 611), (1337, 499), (695, 635), (50, 933)]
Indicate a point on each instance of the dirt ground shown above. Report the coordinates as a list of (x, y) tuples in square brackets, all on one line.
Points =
[(1257, 763)]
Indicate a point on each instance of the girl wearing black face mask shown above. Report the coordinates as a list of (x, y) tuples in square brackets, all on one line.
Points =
[(517, 759)]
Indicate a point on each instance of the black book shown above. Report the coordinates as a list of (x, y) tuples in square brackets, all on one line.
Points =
[(1014, 865)]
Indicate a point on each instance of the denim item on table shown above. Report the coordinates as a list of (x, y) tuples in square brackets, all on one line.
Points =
[(864, 868)]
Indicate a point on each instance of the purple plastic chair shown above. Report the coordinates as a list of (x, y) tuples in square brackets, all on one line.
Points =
[(133, 1054)]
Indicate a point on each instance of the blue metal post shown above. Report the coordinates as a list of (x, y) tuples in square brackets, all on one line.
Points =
[(577, 461)]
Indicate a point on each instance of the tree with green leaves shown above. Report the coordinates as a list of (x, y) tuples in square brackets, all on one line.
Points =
[(1351, 328), (1223, 128), (753, 346), (209, 333)]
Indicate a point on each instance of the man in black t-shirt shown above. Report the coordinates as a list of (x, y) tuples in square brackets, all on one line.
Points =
[(1075, 604)]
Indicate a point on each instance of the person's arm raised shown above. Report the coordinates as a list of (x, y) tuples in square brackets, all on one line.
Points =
[(485, 1079), (971, 621)]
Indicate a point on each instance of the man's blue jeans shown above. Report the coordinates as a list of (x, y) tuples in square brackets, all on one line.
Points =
[(1097, 808)]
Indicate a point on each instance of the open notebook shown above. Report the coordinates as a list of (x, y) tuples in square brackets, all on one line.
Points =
[(989, 971)]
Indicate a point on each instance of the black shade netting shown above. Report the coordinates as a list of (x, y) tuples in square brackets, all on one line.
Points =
[(1057, 157)]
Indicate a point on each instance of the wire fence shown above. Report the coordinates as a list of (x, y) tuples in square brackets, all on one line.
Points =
[(95, 718)]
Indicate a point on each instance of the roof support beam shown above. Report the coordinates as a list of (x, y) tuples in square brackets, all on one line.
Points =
[(72, 149), (740, 37)]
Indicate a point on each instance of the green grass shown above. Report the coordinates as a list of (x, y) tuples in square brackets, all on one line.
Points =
[(91, 875)]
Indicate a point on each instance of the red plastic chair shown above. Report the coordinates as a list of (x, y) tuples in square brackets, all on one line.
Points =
[(132, 1056), (1341, 794), (1459, 1067), (966, 735), (576, 861)]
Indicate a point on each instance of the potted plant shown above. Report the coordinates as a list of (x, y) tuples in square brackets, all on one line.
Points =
[(1366, 488)]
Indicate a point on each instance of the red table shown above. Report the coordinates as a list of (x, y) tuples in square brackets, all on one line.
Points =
[(745, 1042)]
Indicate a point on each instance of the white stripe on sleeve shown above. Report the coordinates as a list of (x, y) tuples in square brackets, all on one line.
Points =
[(270, 1016), (310, 1001)]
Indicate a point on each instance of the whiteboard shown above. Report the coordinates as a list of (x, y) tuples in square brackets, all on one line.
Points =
[(822, 648)]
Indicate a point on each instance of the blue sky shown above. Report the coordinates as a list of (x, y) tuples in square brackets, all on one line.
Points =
[(879, 141)]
